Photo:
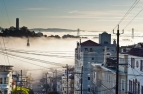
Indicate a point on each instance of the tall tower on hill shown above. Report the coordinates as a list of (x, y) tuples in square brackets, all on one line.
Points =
[(17, 23)]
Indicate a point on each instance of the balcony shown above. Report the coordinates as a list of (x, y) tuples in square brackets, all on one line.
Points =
[(4, 86)]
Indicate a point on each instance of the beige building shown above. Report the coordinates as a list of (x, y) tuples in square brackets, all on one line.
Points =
[(64, 85)]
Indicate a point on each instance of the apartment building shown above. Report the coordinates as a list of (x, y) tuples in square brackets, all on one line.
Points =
[(135, 70), (66, 87), (5, 79), (90, 52), (104, 77)]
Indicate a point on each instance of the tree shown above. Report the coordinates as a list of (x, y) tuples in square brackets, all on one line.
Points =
[(24, 28), (24, 90), (12, 28)]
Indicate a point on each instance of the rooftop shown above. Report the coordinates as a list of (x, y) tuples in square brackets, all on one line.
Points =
[(113, 70), (136, 52), (89, 43)]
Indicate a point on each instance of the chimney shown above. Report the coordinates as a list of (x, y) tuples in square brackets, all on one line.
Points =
[(114, 42)]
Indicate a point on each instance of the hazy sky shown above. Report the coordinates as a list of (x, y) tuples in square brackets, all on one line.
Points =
[(71, 14)]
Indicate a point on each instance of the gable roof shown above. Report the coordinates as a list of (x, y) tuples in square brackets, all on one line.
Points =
[(89, 43), (136, 52)]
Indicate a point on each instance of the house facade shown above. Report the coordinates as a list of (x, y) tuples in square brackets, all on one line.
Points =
[(135, 70), (5, 79), (104, 75)]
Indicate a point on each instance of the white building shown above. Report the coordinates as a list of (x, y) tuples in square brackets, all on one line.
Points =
[(59, 87), (5, 79), (104, 77), (86, 53), (135, 70), (64, 85)]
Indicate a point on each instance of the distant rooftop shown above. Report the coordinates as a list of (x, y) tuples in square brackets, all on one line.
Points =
[(136, 52), (89, 43)]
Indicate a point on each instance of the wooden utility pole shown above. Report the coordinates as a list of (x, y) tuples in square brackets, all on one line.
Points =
[(56, 79), (81, 78), (117, 64), (21, 83), (67, 78), (46, 83)]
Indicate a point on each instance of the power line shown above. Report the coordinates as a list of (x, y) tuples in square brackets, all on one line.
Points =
[(38, 60), (130, 9), (6, 51), (6, 12), (133, 18), (24, 61), (38, 54)]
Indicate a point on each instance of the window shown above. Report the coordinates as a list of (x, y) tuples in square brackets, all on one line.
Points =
[(88, 89), (91, 50), (132, 63), (141, 65), (133, 85), (92, 58), (105, 42), (72, 85), (123, 84), (85, 49), (137, 64), (5, 92), (130, 86), (6, 80), (88, 78), (0, 80), (138, 88)]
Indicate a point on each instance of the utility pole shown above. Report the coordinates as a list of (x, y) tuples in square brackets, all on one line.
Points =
[(81, 78), (117, 64), (21, 83), (46, 83), (16, 87), (132, 33), (67, 78), (56, 79)]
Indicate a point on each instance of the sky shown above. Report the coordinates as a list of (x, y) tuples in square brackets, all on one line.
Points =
[(100, 15)]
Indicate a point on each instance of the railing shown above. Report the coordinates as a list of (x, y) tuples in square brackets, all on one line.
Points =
[(3, 86)]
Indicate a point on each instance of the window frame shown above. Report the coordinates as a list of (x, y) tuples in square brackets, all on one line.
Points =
[(141, 65), (123, 84), (133, 63)]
